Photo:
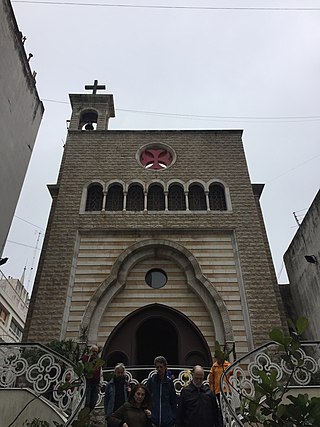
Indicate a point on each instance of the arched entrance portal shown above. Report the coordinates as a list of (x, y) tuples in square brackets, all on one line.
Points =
[(156, 336), (153, 330)]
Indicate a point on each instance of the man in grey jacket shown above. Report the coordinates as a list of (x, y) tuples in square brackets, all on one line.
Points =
[(117, 390)]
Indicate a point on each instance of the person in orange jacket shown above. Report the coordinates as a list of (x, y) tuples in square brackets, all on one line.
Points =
[(216, 371)]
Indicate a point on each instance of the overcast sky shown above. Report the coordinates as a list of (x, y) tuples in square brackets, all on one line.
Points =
[(256, 70)]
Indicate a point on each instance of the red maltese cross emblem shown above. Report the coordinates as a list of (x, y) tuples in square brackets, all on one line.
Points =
[(156, 158)]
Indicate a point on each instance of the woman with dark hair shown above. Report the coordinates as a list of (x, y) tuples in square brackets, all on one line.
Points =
[(136, 412)]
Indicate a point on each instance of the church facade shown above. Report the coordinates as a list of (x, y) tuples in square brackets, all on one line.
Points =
[(155, 244)]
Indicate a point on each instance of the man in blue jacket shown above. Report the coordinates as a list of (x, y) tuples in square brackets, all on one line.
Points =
[(163, 394)]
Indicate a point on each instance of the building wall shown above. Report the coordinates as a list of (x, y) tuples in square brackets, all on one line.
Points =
[(20, 115), (215, 254), (304, 277), (228, 247), (14, 301)]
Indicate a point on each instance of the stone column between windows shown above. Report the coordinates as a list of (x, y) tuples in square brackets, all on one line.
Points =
[(125, 200), (207, 200), (166, 200), (104, 200), (145, 200), (186, 193)]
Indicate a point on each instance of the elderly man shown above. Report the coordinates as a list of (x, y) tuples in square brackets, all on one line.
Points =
[(198, 405), (93, 374), (117, 390)]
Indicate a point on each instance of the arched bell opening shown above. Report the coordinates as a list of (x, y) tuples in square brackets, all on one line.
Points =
[(88, 120)]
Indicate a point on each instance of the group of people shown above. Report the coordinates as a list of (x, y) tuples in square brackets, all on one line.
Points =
[(155, 404)]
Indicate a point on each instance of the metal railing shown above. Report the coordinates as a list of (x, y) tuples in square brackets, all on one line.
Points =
[(238, 381), (32, 366), (44, 372)]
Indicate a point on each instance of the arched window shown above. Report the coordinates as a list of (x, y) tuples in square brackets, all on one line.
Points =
[(197, 198), (176, 198), (94, 198), (115, 198), (217, 197), (135, 198), (155, 198)]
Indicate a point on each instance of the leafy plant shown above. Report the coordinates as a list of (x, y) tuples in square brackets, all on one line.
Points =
[(67, 348), (268, 407)]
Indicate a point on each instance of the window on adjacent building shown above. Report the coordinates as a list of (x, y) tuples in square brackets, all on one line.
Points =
[(217, 198), (114, 200), (3, 314), (135, 198), (16, 329), (155, 198), (176, 198), (94, 198), (197, 198)]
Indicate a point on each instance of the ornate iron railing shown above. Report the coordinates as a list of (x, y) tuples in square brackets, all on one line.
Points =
[(42, 371), (37, 368), (238, 381)]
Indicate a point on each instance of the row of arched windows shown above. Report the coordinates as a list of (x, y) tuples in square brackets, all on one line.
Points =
[(156, 199)]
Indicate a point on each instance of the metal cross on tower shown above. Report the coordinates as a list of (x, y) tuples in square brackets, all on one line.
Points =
[(95, 87)]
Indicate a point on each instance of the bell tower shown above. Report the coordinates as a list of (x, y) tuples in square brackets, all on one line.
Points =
[(91, 112)]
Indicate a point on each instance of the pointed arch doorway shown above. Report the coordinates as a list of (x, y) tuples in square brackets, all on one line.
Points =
[(156, 336), (156, 329)]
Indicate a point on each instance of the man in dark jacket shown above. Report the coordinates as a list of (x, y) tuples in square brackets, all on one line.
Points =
[(163, 394), (198, 405)]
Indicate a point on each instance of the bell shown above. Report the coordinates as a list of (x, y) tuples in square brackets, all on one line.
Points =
[(89, 126)]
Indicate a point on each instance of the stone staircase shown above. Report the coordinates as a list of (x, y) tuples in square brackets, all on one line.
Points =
[(97, 418)]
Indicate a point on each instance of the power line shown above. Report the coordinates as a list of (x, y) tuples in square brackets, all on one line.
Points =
[(28, 222), (145, 6), (22, 244), (208, 117), (295, 167)]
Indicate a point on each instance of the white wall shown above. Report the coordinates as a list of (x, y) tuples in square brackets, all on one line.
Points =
[(20, 115)]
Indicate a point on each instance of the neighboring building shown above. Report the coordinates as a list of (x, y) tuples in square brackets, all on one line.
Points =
[(302, 261), (155, 244), (20, 115), (14, 301)]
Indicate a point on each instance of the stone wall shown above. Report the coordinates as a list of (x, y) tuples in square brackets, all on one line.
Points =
[(245, 283)]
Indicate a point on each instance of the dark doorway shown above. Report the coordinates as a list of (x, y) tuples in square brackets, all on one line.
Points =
[(157, 336), (156, 330), (117, 357)]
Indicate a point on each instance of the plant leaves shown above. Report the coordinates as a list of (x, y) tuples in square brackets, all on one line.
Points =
[(302, 324), (277, 335)]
